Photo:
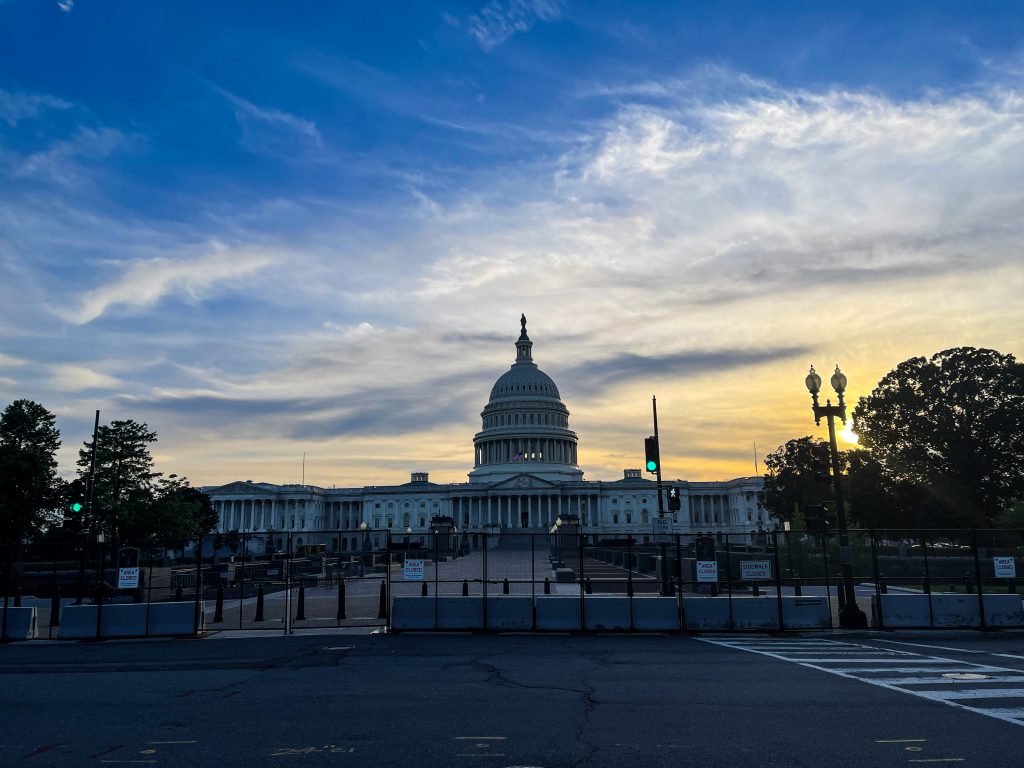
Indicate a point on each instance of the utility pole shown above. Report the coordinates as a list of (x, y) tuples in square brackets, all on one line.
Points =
[(666, 589)]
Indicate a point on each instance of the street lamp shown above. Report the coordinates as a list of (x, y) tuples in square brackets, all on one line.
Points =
[(408, 535), (850, 615), (367, 557)]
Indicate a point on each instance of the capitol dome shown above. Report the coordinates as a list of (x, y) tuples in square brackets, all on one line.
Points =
[(525, 425)]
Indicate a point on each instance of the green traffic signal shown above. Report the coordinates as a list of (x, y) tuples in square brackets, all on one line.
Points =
[(652, 466), (75, 506)]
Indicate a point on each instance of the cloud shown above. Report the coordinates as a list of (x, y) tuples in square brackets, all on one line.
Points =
[(66, 5), (143, 283), (274, 132), (63, 161), (497, 21), (15, 107), (74, 378)]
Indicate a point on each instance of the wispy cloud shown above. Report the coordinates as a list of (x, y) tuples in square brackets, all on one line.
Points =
[(269, 131), (75, 378), (499, 20), (15, 107), (62, 161), (143, 283)]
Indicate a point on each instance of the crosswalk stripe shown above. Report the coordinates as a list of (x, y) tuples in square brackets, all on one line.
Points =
[(849, 659)]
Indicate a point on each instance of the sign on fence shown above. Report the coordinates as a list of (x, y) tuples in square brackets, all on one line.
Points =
[(413, 570), (662, 530), (1006, 568), (756, 570), (707, 570), (127, 578)]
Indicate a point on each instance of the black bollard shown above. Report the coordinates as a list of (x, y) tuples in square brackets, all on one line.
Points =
[(547, 586), (178, 598), (382, 609), (927, 586), (259, 604), (588, 588), (629, 586), (798, 587), (300, 614), (218, 613), (341, 600), (968, 582), (883, 588), (755, 589), (423, 591), (465, 588), (140, 591), (1011, 586), (504, 586), (55, 608), (17, 596)]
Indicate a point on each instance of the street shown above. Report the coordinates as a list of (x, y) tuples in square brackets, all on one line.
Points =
[(518, 700)]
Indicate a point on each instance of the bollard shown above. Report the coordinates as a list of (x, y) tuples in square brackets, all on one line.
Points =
[(382, 609), (341, 600), (588, 588), (55, 608), (629, 585), (547, 586), (140, 592), (300, 614), (465, 588), (218, 614), (798, 587), (926, 585), (423, 591), (178, 598), (504, 586), (259, 604), (17, 596), (883, 588), (968, 582), (755, 589), (1011, 586)]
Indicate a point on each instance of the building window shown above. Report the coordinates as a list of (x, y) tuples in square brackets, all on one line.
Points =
[(615, 519), (405, 520), (423, 521), (629, 518), (391, 521), (644, 517), (376, 521)]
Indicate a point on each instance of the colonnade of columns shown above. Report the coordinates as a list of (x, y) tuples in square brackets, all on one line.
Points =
[(508, 450), (251, 514), (710, 509), (512, 510)]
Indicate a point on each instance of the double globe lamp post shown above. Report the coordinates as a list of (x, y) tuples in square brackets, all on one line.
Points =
[(850, 615)]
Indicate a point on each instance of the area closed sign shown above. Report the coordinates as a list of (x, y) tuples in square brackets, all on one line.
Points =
[(707, 570), (1005, 567), (756, 570), (413, 570), (127, 578)]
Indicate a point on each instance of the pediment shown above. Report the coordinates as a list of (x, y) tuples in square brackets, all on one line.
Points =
[(522, 481), (239, 487)]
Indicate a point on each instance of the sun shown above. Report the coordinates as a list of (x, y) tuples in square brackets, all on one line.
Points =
[(848, 435)]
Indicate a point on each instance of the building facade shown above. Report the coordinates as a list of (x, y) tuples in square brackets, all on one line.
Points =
[(525, 476)]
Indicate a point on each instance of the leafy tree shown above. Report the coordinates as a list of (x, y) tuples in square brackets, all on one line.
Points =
[(950, 428), (177, 511), (125, 481), (1012, 517), (29, 486), (790, 481)]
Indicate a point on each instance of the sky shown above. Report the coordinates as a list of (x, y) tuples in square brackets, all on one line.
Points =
[(276, 229)]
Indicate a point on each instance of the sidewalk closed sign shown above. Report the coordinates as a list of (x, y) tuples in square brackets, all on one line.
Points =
[(1005, 567), (756, 570), (707, 570), (127, 578), (413, 570)]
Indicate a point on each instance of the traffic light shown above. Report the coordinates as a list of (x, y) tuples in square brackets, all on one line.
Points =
[(77, 491), (816, 518), (673, 499), (652, 453), (822, 462)]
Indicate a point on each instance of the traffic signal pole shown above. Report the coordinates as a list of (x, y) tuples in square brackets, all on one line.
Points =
[(665, 583)]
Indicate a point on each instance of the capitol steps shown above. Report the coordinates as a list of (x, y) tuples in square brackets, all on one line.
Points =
[(519, 539)]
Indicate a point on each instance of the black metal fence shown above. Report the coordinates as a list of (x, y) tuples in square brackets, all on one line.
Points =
[(575, 580)]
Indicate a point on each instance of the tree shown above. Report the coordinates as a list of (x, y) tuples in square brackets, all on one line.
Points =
[(29, 486), (1012, 517), (177, 511), (791, 481), (125, 481), (951, 427)]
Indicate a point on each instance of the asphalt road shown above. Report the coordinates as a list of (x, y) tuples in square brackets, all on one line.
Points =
[(517, 700)]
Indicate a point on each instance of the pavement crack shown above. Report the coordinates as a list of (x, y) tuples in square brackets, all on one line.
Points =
[(497, 677)]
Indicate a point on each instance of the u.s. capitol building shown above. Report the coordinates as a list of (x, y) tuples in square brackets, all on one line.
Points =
[(525, 476)]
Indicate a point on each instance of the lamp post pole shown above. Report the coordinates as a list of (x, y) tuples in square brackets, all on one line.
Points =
[(850, 615)]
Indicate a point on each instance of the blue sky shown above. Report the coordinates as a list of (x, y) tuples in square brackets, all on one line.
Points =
[(271, 228)]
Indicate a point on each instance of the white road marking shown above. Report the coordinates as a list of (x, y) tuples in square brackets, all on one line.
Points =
[(951, 648), (848, 655)]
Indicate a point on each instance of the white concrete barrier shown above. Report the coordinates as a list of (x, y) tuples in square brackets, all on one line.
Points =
[(458, 612), (948, 610), (174, 618), (509, 612), (556, 612), (604, 613), (77, 622), (21, 623), (747, 613), (412, 612), (655, 613), (805, 613)]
